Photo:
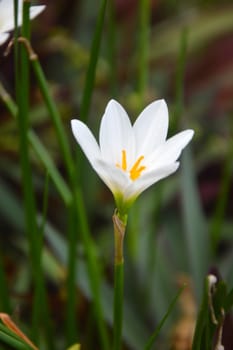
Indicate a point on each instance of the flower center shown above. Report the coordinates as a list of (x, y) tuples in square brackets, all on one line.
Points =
[(137, 168)]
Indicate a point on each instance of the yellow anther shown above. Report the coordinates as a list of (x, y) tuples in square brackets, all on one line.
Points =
[(135, 171)]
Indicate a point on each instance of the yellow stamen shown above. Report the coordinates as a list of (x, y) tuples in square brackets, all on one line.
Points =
[(123, 165), (124, 162), (136, 169)]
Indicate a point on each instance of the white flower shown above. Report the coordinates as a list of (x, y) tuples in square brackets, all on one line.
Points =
[(7, 16), (129, 158)]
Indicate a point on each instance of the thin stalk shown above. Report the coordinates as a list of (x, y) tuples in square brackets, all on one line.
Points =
[(119, 232), (45, 204), (4, 293), (79, 209), (40, 151), (22, 91), (45, 318), (143, 48), (23, 115), (118, 305), (71, 331), (71, 321), (52, 108), (35, 241), (50, 167), (16, 34), (72, 237), (133, 229), (92, 267)]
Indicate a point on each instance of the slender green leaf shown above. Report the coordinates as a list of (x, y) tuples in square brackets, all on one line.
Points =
[(50, 166), (229, 301), (41, 151), (12, 339), (195, 229), (154, 336), (5, 305)]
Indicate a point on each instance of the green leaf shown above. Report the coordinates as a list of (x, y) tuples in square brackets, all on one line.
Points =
[(201, 321), (228, 301), (195, 228), (154, 336), (10, 338), (50, 166), (40, 150)]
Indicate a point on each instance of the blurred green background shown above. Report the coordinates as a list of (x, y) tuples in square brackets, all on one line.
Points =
[(181, 228)]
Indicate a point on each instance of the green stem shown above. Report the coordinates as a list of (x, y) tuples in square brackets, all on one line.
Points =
[(72, 239), (71, 321), (81, 217), (92, 267), (119, 232), (16, 46), (52, 108), (84, 228), (40, 306), (4, 293), (40, 151), (22, 93), (118, 304)]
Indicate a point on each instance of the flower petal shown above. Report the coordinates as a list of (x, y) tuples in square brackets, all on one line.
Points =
[(86, 140), (36, 10), (148, 179), (151, 127), (170, 151), (7, 14), (3, 37), (115, 133), (116, 179), (7, 9)]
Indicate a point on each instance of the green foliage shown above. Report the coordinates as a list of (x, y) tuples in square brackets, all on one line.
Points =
[(56, 242), (10, 338), (215, 305)]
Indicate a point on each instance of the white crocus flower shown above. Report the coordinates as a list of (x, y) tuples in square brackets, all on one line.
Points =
[(130, 158), (7, 16)]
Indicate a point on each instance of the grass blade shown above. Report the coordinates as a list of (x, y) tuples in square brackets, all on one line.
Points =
[(154, 336), (40, 151), (194, 223)]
